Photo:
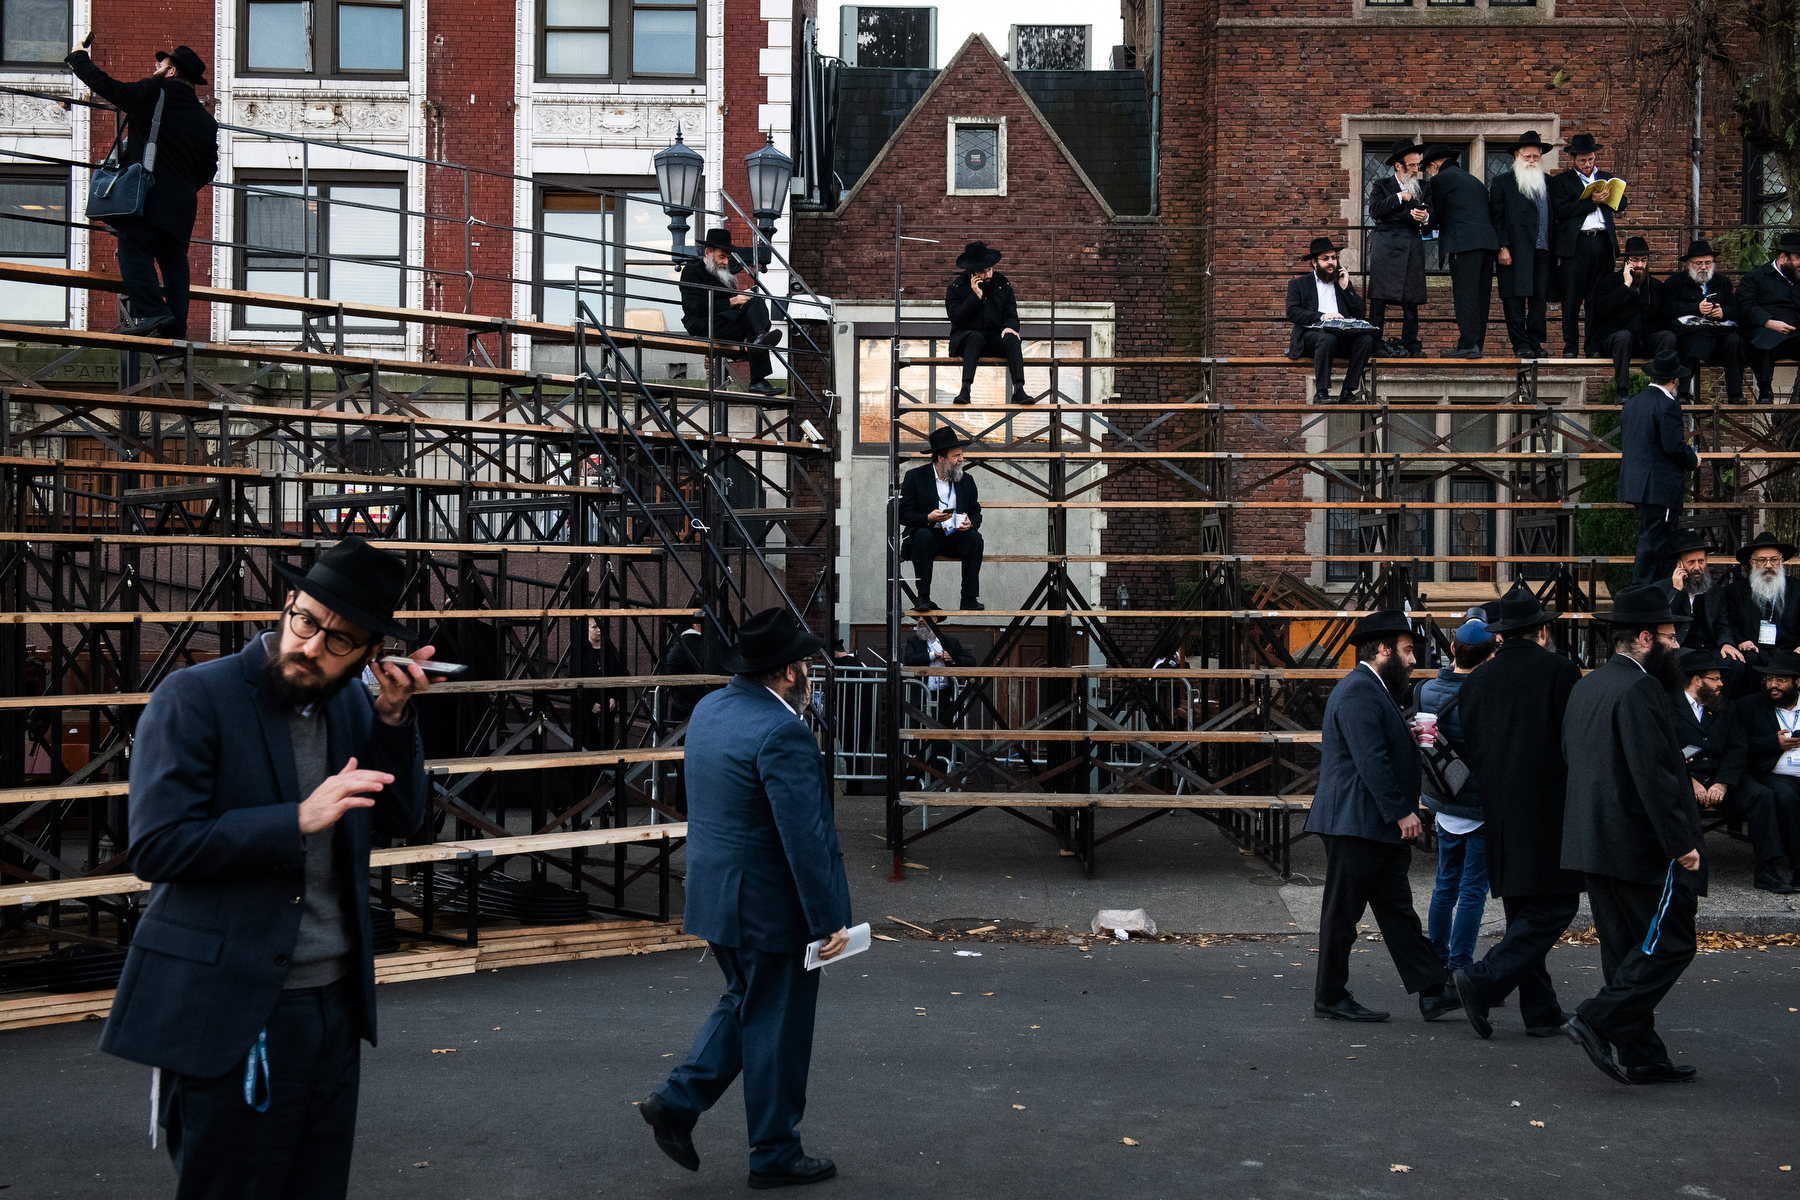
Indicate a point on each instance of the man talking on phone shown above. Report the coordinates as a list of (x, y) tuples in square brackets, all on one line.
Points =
[(765, 878), (1316, 299), (257, 780)]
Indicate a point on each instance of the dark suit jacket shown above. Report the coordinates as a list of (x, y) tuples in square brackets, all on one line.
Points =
[(696, 299), (1516, 225), (1568, 212), (1303, 307), (995, 309), (1631, 809), (1679, 296), (1756, 716), (1656, 456), (1738, 617), (1617, 308), (215, 824), (1459, 210), (1699, 634), (918, 651), (187, 144), (1723, 748), (1368, 763), (919, 498), (684, 656), (764, 871), (1765, 295), (1514, 700)]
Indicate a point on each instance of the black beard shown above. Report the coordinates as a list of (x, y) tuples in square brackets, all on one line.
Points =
[(1698, 583), (289, 694), (1663, 663), (1325, 276), (1398, 678), (1784, 701)]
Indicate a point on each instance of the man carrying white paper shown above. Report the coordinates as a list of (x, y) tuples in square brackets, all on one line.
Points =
[(765, 877)]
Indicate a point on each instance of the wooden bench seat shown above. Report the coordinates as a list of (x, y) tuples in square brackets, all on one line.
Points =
[(1096, 800)]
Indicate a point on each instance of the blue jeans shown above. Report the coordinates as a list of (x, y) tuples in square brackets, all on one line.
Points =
[(1459, 896)]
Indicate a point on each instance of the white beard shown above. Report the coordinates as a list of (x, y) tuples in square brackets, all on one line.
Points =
[(1769, 587), (1701, 277), (1530, 178), (954, 474), (1413, 186), (723, 275)]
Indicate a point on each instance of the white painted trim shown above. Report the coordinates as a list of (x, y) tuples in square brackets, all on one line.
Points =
[(950, 188)]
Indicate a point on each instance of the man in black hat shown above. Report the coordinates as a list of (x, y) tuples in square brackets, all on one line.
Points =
[(1718, 753), (1695, 313), (685, 655), (1325, 294), (1366, 811), (1623, 313), (257, 781), (1459, 210), (940, 516), (186, 159), (1655, 457), (713, 307), (984, 320), (1512, 714), (1632, 827), (1694, 600), (1520, 208), (1399, 207), (765, 877), (1768, 313), (1586, 241), (1770, 717), (1758, 613)]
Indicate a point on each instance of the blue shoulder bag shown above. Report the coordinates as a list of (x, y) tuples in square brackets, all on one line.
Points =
[(120, 192)]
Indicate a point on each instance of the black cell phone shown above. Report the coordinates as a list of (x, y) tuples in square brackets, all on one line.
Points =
[(88, 40)]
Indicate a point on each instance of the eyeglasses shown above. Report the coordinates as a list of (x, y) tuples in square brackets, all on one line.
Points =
[(306, 627), (1765, 560)]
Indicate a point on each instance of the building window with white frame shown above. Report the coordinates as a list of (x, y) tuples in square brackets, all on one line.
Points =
[(34, 34), (618, 40), (33, 210), (977, 156), (332, 39), (342, 240)]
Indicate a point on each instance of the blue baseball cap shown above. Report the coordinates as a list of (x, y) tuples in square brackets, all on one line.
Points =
[(1473, 632)]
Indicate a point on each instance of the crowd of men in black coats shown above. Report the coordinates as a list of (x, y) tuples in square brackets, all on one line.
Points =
[(1603, 785)]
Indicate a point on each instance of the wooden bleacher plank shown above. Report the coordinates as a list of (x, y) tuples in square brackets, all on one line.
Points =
[(317, 543), (593, 683), (1099, 800), (1297, 737), (214, 618)]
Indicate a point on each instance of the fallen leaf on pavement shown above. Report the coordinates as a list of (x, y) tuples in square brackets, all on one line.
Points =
[(985, 929), (1129, 1141), (1399, 1168), (918, 866), (450, 1051), (882, 937), (423, 1164), (1021, 1108), (1539, 1124)]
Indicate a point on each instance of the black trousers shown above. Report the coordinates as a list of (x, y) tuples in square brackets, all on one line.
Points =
[(1762, 362), (1409, 322), (1655, 543), (143, 250), (1472, 291), (926, 544), (299, 1148), (1756, 806), (1360, 874), (1786, 791), (762, 1029), (1527, 317), (746, 323), (1533, 923), (978, 346), (1624, 1011), (1579, 272), (1622, 347), (1323, 345)]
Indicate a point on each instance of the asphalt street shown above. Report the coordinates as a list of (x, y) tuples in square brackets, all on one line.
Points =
[(1015, 1073)]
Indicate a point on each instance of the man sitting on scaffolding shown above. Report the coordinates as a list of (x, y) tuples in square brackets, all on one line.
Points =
[(940, 510), (713, 307)]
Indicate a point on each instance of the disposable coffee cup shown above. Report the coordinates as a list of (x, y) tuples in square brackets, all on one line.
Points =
[(1426, 723)]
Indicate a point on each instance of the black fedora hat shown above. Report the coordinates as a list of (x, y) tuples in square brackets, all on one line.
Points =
[(719, 238), (1517, 610), (1637, 247), (1401, 149), (1700, 248), (1764, 541), (359, 583), (1782, 662), (977, 256), (1665, 366), (193, 67), (772, 638), (1530, 138), (1689, 540), (1438, 150), (1699, 662), (944, 437), (1642, 604), (1382, 623), (1584, 143), (1789, 243), (1320, 245)]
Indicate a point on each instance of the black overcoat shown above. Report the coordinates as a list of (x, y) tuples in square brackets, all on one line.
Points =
[(1368, 763), (1569, 212), (1679, 296), (1621, 309), (919, 498), (1762, 730), (187, 145), (1459, 210), (1699, 634), (918, 651), (1738, 617), (1721, 750), (1631, 808), (1516, 225), (1303, 307), (989, 313), (1655, 457), (1396, 255), (1765, 295), (1512, 712)]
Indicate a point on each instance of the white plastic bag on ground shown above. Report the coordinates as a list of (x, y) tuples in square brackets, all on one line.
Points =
[(1134, 920)]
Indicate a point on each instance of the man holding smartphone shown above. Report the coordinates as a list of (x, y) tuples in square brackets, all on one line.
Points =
[(1317, 299), (940, 510)]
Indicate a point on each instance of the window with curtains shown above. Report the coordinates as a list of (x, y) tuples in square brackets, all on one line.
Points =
[(621, 240), (342, 240), (34, 33), (618, 39), (33, 208), (354, 39)]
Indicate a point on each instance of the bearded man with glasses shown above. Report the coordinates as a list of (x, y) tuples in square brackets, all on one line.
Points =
[(257, 782)]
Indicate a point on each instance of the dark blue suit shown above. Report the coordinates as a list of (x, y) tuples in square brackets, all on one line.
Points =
[(1655, 460), (1368, 781), (214, 822), (765, 877)]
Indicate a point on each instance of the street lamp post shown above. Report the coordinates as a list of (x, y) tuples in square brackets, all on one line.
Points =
[(771, 172), (678, 177)]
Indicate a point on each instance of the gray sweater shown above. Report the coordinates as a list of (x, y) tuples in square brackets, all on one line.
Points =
[(322, 949)]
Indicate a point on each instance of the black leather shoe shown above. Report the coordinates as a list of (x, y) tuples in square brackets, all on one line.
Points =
[(674, 1133), (771, 338), (1765, 397), (971, 606), (804, 1170), (1662, 1073), (763, 387), (925, 605), (1346, 398), (961, 398), (1598, 1051), (1322, 398), (1347, 1009), (1433, 1007), (1769, 881), (1021, 396), (160, 327), (1473, 1008), (1464, 352)]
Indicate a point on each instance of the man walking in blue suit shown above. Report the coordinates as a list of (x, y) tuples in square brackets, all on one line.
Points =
[(256, 780), (765, 877), (1655, 459)]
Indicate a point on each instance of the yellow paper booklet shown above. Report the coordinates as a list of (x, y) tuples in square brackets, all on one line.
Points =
[(1605, 191)]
